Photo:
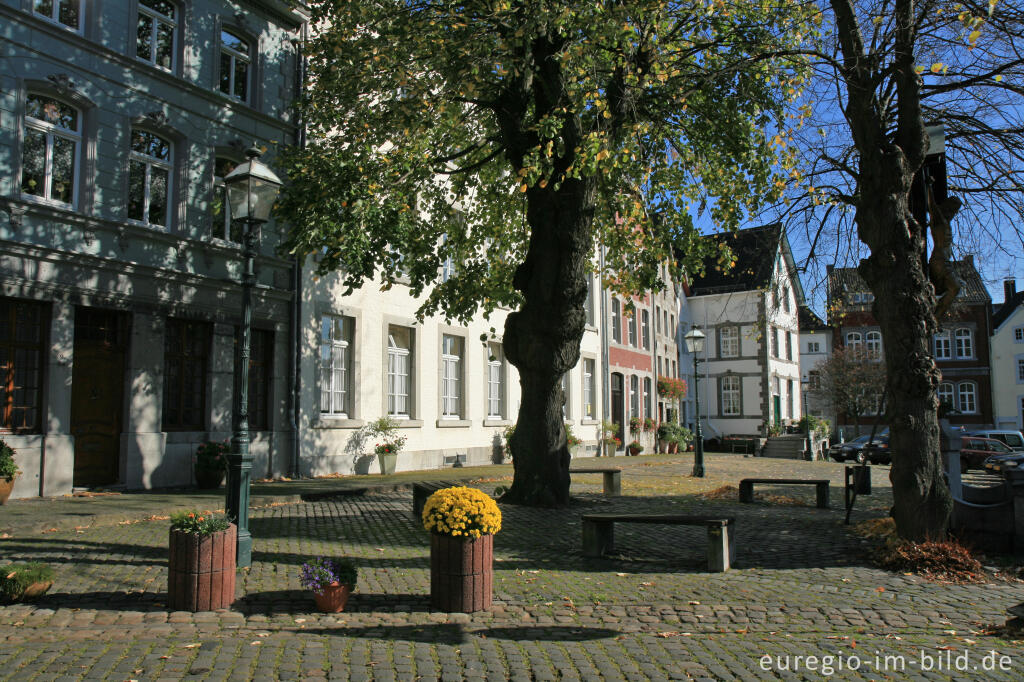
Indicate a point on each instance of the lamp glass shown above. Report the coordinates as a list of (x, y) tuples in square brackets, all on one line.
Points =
[(694, 340)]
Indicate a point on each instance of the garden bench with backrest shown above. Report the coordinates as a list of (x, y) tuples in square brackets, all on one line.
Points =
[(821, 487), (612, 478), (424, 489), (599, 534)]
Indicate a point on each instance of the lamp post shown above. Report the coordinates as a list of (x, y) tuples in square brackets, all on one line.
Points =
[(252, 189), (694, 340)]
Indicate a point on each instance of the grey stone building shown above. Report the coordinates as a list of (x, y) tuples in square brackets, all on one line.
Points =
[(119, 270)]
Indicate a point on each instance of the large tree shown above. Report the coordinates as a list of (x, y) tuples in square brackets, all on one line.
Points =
[(514, 137), (888, 69)]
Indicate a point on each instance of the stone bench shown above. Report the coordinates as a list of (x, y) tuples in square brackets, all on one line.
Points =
[(424, 489), (612, 478), (747, 487), (599, 534)]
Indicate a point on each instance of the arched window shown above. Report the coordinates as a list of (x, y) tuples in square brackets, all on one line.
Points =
[(853, 340), (967, 394), (964, 343), (149, 179), (49, 159), (874, 345), (234, 65), (64, 12), (157, 33)]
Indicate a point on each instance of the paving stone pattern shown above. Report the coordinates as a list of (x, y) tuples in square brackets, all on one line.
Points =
[(801, 587)]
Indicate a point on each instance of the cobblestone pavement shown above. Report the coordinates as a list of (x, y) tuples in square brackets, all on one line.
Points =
[(802, 587)]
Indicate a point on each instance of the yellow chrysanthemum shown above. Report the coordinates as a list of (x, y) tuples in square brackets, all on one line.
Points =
[(461, 511)]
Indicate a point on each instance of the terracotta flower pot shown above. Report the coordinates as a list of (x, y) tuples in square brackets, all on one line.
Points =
[(201, 575), (461, 573), (635, 451), (6, 486), (209, 479), (333, 598)]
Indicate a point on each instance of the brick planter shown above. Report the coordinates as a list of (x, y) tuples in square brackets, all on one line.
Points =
[(461, 573), (201, 575)]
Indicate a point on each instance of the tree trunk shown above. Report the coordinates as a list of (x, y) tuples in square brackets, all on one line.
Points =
[(542, 340)]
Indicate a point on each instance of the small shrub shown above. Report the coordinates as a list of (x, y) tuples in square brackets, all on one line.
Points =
[(199, 522), (8, 469), (16, 578)]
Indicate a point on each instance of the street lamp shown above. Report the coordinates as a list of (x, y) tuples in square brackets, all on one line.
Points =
[(252, 190), (694, 340)]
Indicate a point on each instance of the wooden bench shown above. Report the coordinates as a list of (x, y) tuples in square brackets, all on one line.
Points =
[(424, 489), (612, 478), (599, 534), (747, 487)]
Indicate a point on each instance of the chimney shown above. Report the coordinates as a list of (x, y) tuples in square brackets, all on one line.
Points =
[(969, 260), (1009, 290)]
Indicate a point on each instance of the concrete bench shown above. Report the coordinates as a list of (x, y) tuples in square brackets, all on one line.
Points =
[(612, 478), (599, 534), (424, 489), (747, 487)]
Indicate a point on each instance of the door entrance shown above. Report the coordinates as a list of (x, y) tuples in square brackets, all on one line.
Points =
[(97, 394), (618, 404)]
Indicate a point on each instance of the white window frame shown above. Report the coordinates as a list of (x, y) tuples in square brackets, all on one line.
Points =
[(634, 395), (967, 397), (54, 16), (235, 57), (51, 131), (158, 19), (730, 394), (813, 380), (946, 392), (943, 345), (1020, 370), (873, 344), (567, 405), (775, 342), (589, 386), (813, 347), (336, 378), (648, 402), (149, 163), (854, 340), (399, 378), (729, 341), (964, 343), (631, 329), (588, 304), (616, 320), (1018, 334), (448, 266), (645, 328), (452, 350), (496, 382)]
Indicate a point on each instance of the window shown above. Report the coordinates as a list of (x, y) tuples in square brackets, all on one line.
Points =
[(660, 373), (631, 327), (814, 380), (813, 347), (234, 66), (853, 340), (22, 338), (156, 33), (588, 304), (775, 342), (729, 342), (496, 382), (220, 211), (874, 345), (945, 394), (964, 343), (451, 377), (645, 328), (967, 395), (49, 161), (657, 318), (647, 397), (675, 373), (399, 371), (566, 411), (149, 179), (336, 335), (616, 321), (634, 396), (943, 350), (261, 353), (589, 389), (448, 266), (730, 390), (186, 353), (64, 12), (789, 399), (1020, 371), (1018, 334), (789, 345), (785, 299)]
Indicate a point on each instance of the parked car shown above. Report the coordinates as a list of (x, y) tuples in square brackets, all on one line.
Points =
[(974, 451), (1014, 439), (853, 450), (877, 451), (1000, 462)]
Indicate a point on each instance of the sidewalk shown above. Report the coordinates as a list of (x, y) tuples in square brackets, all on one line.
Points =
[(801, 587)]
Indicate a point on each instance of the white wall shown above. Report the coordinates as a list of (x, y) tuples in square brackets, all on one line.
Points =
[(1007, 387)]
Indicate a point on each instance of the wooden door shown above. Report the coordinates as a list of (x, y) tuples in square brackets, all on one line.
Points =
[(618, 403), (97, 395)]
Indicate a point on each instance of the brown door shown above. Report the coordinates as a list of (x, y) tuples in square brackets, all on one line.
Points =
[(97, 394)]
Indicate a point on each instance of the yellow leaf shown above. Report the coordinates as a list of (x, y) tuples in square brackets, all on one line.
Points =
[(522, 187), (936, 67)]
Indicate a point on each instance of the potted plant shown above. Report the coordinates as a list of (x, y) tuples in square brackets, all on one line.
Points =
[(462, 522), (24, 581), (573, 442), (201, 570), (664, 435), (635, 424), (611, 442), (211, 464), (649, 425), (386, 430), (332, 581), (8, 471), (635, 448)]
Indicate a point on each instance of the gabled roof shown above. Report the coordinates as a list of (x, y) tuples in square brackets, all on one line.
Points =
[(842, 281), (755, 249), (809, 320), (1003, 311)]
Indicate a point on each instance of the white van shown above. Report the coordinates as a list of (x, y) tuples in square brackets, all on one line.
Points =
[(1013, 439)]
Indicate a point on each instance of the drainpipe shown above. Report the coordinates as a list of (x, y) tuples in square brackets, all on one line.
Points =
[(295, 414), (606, 380)]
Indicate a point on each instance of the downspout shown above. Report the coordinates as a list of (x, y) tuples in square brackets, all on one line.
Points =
[(295, 416), (606, 381)]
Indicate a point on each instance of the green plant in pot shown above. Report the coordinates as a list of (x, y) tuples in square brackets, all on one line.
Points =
[(635, 448), (331, 580), (24, 581), (211, 463), (8, 471), (389, 443)]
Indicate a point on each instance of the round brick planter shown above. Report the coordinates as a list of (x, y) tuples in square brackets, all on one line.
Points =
[(201, 575), (461, 573), (333, 598)]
